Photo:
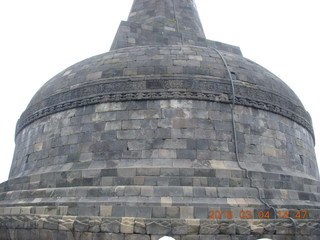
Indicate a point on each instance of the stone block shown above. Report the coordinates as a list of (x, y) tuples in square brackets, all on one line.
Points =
[(132, 154), (132, 191), (175, 144), (204, 133), (165, 124), (166, 153), (94, 224), (118, 211), (148, 171), (101, 236), (168, 191), (46, 234), (51, 223), (117, 236), (122, 115), (158, 226), (26, 210), (158, 212), (127, 225), (206, 237), (162, 132), (202, 144), (182, 133), (199, 192), (199, 181), (223, 237), (136, 114), (184, 123), (136, 237), (169, 172), (81, 224), (186, 154), (223, 126), (51, 210), (126, 172), (186, 212), (38, 147), (220, 146), (139, 180), (131, 124), (172, 212), (201, 212), (139, 226), (257, 228), (151, 114), (179, 227), (113, 125), (209, 227), (86, 236), (138, 145), (24, 234), (243, 228), (66, 223), (105, 211), (193, 226), (147, 191), (126, 134), (269, 151), (174, 69), (110, 225), (62, 235), (166, 201), (227, 228)]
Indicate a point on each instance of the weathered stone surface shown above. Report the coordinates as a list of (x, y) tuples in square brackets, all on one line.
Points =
[(110, 225), (158, 227), (155, 137), (209, 227)]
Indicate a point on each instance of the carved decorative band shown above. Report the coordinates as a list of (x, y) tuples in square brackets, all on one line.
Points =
[(150, 226), (154, 89)]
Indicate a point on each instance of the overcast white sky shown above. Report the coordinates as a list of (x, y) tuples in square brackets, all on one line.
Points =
[(40, 38)]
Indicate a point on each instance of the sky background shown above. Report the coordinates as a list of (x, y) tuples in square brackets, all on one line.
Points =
[(40, 38)]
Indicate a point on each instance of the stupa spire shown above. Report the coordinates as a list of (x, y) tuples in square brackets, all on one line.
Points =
[(160, 22), (167, 134), (180, 15)]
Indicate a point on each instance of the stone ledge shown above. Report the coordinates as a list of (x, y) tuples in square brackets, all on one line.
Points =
[(285, 227), (119, 91), (141, 176)]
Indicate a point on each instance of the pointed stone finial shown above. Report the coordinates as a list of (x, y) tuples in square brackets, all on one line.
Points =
[(160, 22), (176, 15)]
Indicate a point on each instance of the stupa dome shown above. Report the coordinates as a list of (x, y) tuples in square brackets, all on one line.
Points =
[(166, 72), (162, 132)]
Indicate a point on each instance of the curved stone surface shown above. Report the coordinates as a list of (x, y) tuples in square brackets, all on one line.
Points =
[(164, 14), (161, 155), (121, 131), (173, 72), (151, 138)]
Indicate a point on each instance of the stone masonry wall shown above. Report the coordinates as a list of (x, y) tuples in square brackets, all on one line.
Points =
[(161, 158), (39, 227), (171, 133)]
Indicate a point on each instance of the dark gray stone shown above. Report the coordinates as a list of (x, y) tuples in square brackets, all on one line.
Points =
[(158, 227), (186, 154), (146, 131), (110, 225)]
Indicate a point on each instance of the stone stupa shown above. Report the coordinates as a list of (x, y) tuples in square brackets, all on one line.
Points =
[(167, 134)]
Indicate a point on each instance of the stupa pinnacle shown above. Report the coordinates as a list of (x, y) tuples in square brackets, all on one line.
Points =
[(160, 23), (169, 133), (180, 16)]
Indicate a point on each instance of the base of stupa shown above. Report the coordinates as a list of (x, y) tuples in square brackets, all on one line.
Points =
[(39, 227)]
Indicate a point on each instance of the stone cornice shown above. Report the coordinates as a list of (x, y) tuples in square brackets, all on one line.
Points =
[(204, 227), (165, 87)]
